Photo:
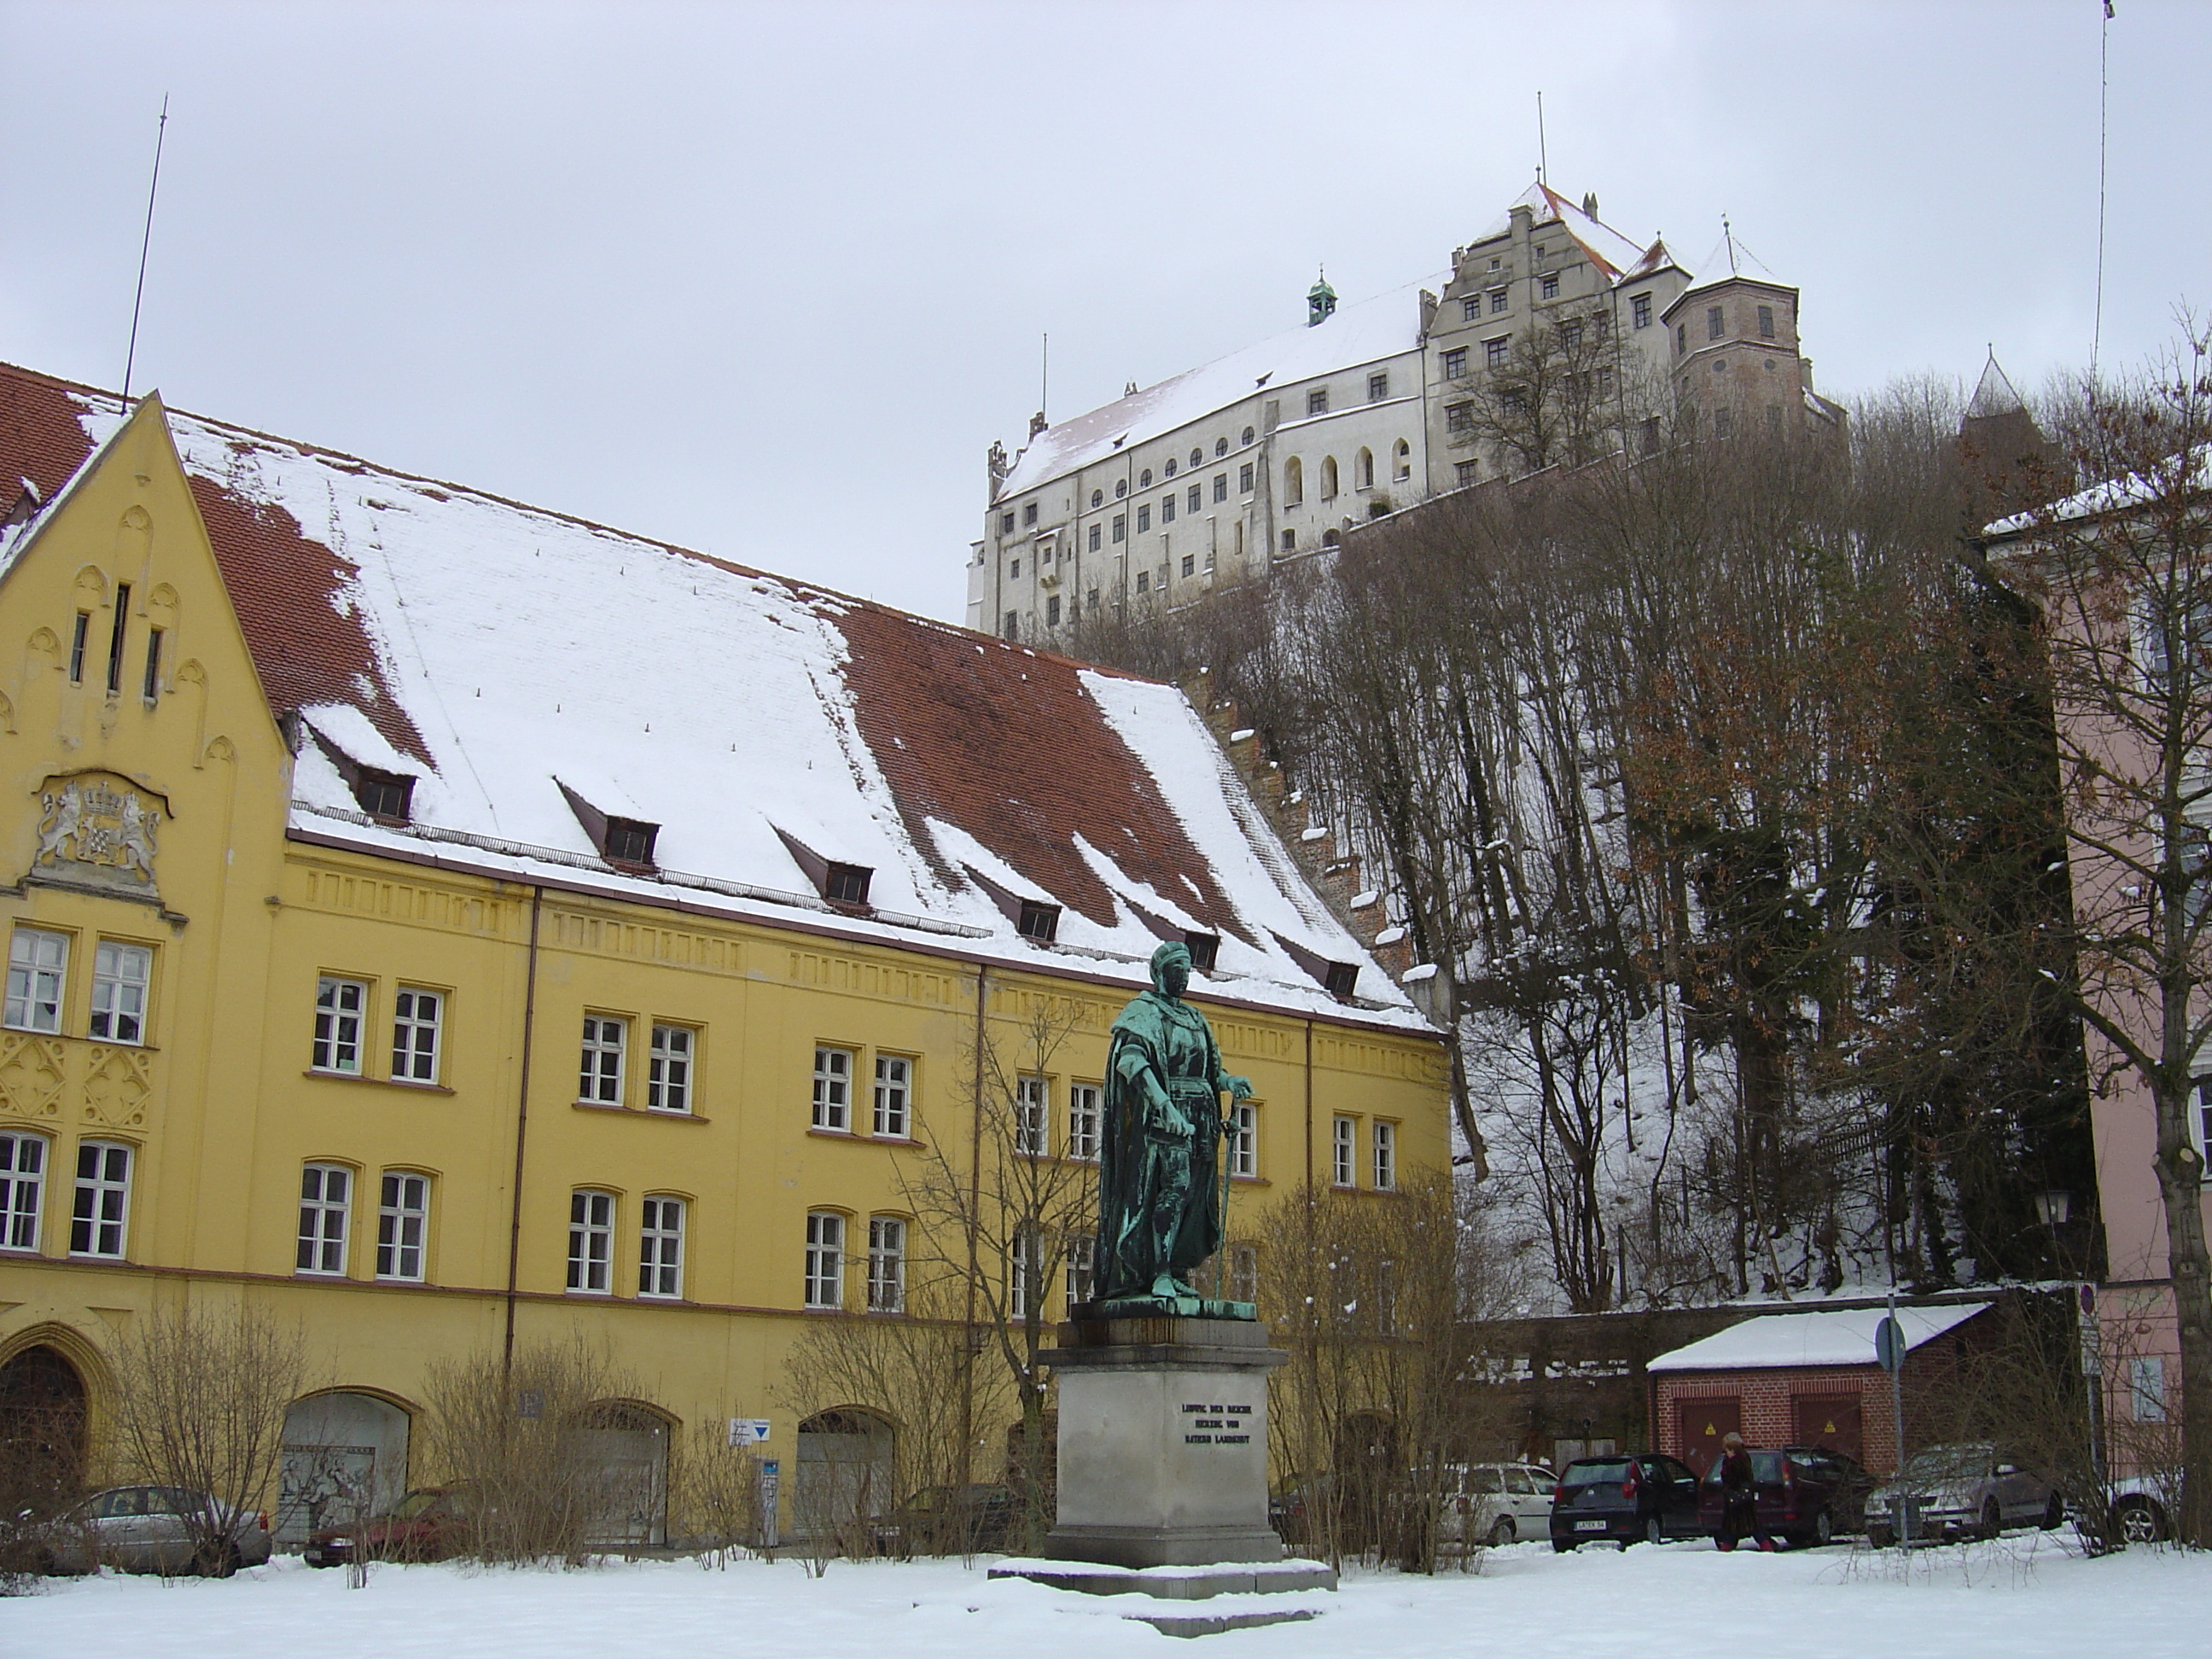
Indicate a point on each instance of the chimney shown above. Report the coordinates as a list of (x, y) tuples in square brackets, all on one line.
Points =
[(1589, 204), (1037, 424)]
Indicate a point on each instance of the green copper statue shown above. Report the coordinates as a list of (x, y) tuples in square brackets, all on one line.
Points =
[(1160, 1168)]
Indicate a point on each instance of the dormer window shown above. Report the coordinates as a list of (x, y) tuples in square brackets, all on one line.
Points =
[(626, 843), (848, 884), (387, 797), (1039, 921), (1342, 980), (1204, 948)]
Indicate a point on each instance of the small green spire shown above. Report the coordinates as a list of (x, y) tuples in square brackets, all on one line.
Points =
[(1321, 300)]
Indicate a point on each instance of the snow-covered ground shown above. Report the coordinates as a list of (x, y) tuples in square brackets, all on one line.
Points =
[(2026, 1594)]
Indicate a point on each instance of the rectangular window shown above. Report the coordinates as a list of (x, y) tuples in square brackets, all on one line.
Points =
[(1032, 1116), (417, 1017), (1025, 1275), (599, 1075), (1499, 299), (2147, 1387), (668, 1070), (1386, 1157), (38, 969), (1639, 311), (1317, 401), (403, 1215), (1014, 625), (1723, 423), (1378, 387), (833, 1088), (590, 1241), (338, 1006), (1766, 322), (77, 648), (1548, 287), (2202, 1118), (1029, 512), (1120, 526), (1082, 1120), (119, 974), (1244, 1139), (661, 1248), (1651, 434), (1244, 1272), (1342, 1167), (115, 638), (325, 1202), (1189, 563), (153, 685), (1466, 472), (886, 1264), (1290, 538), (1005, 524), (103, 1199), (1144, 516), (1092, 540), (1712, 322), (1195, 500), (1456, 363), (1459, 417), (1494, 352), (22, 1190), (894, 1096), (1167, 510), (1681, 338), (1220, 489), (825, 1260), (1082, 1257), (1143, 581), (1470, 307), (1244, 479)]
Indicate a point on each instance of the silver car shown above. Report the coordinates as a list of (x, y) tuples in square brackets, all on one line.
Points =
[(1959, 1490), (1498, 1502), (146, 1529)]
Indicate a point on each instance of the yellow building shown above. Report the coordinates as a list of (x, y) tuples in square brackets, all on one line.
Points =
[(446, 923)]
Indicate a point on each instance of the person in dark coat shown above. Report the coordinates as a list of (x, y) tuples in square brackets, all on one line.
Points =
[(1739, 1496)]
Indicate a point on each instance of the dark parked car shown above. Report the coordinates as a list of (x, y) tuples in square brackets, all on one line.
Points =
[(1807, 1494), (950, 1521), (427, 1525), (1639, 1496)]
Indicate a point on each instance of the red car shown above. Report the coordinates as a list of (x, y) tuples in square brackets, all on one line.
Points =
[(1807, 1494), (427, 1526)]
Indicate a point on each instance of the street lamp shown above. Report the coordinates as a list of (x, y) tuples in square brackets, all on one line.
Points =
[(2051, 1209)]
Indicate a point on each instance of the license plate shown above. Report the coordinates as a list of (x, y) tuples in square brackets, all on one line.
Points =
[(1589, 1526)]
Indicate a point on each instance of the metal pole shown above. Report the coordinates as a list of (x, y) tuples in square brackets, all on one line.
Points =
[(1905, 1507), (145, 244)]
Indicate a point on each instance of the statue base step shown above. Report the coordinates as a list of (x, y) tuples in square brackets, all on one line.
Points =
[(1275, 1580), (1162, 1307)]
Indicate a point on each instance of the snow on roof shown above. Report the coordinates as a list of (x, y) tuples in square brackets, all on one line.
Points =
[(1354, 335), (1612, 252), (1844, 1337), (2113, 496), (496, 653)]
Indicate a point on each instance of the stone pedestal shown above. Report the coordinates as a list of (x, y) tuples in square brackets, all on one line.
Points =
[(1163, 1441)]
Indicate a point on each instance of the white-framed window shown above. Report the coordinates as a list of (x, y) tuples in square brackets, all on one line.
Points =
[(600, 1078), (1082, 1120), (22, 1190), (2200, 1121), (825, 1259), (2147, 1387), (668, 1070), (102, 1206), (119, 977), (1244, 1139), (833, 1088), (417, 1023), (894, 1097), (1025, 1274), (1082, 1259), (402, 1220), (661, 1248), (590, 1241), (1032, 1116), (339, 1003), (1244, 1272), (1343, 1162), (326, 1204), (886, 1264), (38, 971), (1384, 1144)]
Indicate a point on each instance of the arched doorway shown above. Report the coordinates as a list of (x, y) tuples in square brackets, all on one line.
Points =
[(42, 1424), (345, 1456), (626, 1446), (843, 1480)]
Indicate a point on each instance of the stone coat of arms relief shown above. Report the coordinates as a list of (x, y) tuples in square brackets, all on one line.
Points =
[(101, 831)]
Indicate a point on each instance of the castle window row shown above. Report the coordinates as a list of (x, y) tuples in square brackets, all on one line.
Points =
[(100, 1199), (38, 989)]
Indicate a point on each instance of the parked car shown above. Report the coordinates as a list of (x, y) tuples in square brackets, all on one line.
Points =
[(1962, 1490), (2142, 1510), (429, 1524), (1637, 1496), (1497, 1503), (949, 1521), (1807, 1494), (145, 1529)]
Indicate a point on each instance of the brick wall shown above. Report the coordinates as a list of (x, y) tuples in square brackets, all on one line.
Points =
[(1767, 1397)]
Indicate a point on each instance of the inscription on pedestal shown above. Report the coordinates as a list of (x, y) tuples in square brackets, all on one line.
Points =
[(1207, 1425)]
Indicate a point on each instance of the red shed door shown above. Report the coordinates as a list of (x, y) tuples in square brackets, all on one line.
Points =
[(1833, 1422), (1699, 1425)]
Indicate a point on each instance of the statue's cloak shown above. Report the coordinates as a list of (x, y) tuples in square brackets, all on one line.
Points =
[(1127, 1175)]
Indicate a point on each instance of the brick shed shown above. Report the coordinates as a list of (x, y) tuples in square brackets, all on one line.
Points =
[(1794, 1379)]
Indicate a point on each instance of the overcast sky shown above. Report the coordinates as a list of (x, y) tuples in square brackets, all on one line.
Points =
[(766, 279)]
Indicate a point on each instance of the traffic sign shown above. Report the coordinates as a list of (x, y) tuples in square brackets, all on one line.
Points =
[(1889, 1343), (749, 1430)]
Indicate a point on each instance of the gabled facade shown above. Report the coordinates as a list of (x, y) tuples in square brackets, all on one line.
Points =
[(447, 924)]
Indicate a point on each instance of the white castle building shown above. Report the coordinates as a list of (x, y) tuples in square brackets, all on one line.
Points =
[(1218, 474)]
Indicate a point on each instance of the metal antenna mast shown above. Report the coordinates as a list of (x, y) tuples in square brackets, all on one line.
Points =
[(1045, 377), (138, 299), (2104, 93), (1543, 165)]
